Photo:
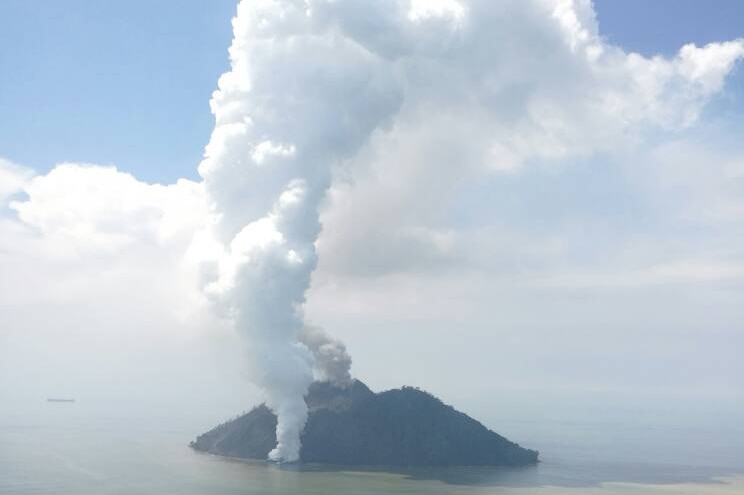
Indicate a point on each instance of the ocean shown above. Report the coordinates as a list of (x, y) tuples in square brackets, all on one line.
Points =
[(60, 449)]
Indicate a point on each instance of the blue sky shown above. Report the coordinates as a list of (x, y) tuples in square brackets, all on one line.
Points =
[(662, 26), (128, 83), (111, 82)]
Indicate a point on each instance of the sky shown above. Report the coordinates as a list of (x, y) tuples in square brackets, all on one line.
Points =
[(552, 218)]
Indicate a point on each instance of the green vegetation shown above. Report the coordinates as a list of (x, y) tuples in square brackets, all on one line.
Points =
[(354, 426)]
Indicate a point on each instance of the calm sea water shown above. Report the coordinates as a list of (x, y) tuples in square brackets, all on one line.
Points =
[(71, 449)]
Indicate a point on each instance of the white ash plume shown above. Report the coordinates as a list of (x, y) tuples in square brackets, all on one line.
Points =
[(297, 101)]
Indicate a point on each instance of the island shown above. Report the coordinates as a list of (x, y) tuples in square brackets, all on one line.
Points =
[(353, 426)]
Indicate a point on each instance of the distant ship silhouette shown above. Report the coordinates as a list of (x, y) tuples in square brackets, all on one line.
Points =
[(54, 399)]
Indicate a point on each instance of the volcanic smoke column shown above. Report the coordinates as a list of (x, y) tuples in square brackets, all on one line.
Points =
[(299, 99)]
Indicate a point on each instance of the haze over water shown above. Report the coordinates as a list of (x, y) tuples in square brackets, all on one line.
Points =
[(82, 449)]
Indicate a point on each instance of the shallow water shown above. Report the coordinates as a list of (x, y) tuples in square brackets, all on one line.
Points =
[(70, 449)]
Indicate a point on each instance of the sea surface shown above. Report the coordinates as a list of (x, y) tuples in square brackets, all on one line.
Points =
[(60, 449)]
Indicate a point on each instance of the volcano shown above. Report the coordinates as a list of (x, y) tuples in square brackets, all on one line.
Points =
[(352, 425)]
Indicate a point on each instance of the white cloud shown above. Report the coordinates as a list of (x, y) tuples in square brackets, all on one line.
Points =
[(708, 66), (99, 208), (12, 179), (266, 149), (82, 230), (424, 9), (96, 300)]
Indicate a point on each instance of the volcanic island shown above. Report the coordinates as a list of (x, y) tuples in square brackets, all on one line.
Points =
[(353, 426)]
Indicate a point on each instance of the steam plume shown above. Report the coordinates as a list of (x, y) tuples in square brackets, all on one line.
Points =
[(296, 102)]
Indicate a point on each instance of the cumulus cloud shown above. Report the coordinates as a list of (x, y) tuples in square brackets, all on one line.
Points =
[(87, 223), (96, 300), (99, 208)]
